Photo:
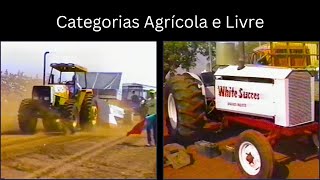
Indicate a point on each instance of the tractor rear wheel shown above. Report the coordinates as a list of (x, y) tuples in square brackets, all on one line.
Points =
[(185, 108), (88, 113), (27, 116), (254, 155)]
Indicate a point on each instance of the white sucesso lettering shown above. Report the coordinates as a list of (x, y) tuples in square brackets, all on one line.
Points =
[(58, 20)]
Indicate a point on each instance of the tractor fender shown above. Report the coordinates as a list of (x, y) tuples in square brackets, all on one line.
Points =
[(203, 89)]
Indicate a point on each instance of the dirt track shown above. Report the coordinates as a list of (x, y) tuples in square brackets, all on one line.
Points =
[(103, 153), (83, 155)]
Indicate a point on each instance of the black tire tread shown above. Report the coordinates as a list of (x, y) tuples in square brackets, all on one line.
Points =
[(26, 116), (86, 114), (190, 105), (68, 110)]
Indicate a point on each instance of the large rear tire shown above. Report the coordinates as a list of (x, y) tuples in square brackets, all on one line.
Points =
[(88, 113), (254, 155), (185, 107), (27, 116)]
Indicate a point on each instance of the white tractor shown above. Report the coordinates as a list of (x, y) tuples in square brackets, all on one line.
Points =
[(273, 102)]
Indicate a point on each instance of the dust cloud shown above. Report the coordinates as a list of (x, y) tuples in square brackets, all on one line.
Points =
[(14, 88)]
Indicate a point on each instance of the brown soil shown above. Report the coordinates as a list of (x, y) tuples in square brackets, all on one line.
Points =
[(292, 162), (105, 152)]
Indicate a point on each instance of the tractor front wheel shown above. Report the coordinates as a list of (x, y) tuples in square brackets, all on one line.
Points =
[(88, 113), (27, 116), (254, 155), (71, 117)]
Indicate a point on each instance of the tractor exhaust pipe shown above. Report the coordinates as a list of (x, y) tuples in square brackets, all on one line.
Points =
[(44, 68), (230, 53), (241, 51)]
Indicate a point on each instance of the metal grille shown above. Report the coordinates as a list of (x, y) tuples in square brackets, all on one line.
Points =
[(299, 98)]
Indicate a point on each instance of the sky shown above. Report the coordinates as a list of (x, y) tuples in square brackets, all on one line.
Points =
[(136, 60)]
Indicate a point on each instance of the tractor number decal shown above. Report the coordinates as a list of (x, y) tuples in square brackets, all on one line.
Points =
[(225, 91)]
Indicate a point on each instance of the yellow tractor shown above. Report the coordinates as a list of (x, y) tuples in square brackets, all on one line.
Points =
[(64, 106), (287, 54), (295, 55)]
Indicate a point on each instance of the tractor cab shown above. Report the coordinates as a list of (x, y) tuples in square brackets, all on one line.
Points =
[(67, 76), (61, 102)]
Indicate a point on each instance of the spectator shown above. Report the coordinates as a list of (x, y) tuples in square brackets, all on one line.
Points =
[(135, 101), (149, 122), (151, 118)]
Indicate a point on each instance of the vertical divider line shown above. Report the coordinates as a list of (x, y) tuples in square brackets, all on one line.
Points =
[(160, 109)]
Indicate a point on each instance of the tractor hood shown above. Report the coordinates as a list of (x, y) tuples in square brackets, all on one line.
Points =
[(254, 71), (48, 93)]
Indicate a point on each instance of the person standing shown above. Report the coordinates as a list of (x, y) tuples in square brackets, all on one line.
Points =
[(135, 101), (151, 118)]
